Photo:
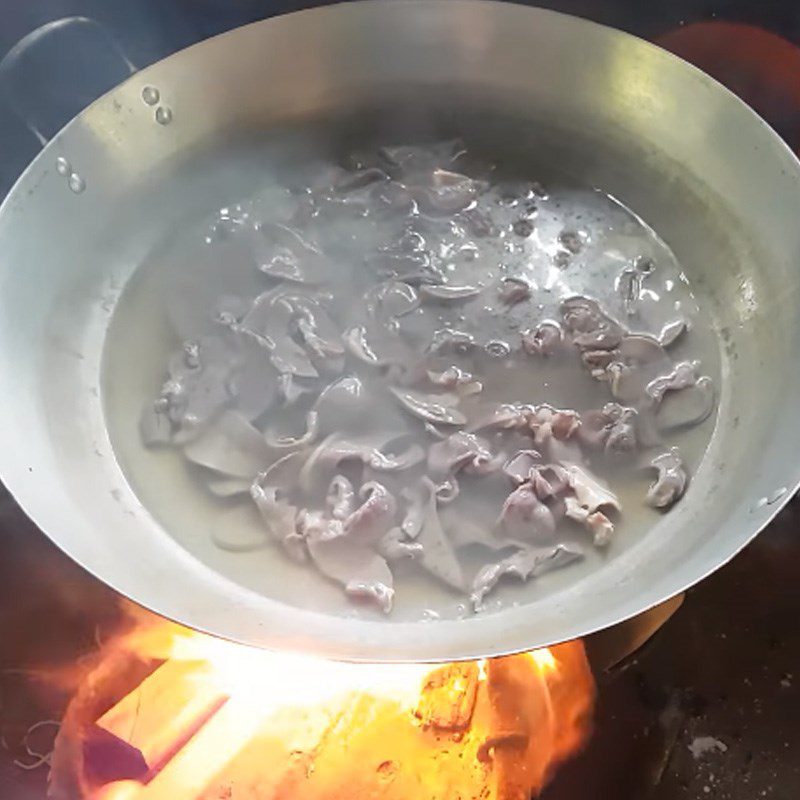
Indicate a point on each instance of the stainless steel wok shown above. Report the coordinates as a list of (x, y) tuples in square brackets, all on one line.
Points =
[(672, 144)]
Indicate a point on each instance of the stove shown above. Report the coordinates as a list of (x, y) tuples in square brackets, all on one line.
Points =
[(698, 698), (694, 699)]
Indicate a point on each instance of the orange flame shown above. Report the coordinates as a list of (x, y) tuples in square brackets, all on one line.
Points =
[(222, 720)]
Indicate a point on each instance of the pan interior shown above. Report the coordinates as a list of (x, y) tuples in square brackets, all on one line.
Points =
[(592, 173)]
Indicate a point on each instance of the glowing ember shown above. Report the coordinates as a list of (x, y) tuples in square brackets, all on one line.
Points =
[(172, 714)]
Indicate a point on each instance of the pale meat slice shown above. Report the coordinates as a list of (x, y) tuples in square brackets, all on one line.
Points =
[(520, 467), (438, 408), (589, 491), (462, 451), (374, 344), (438, 556), (682, 376), (374, 518), (368, 450), (278, 442), (360, 570), (543, 340), (691, 406), (671, 481), (395, 546), (523, 564), (590, 498), (280, 519), (341, 497), (230, 445), (525, 518), (590, 326)]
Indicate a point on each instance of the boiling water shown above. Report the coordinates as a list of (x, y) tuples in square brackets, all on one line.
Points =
[(557, 238)]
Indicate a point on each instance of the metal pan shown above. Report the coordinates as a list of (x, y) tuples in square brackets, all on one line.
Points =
[(675, 146)]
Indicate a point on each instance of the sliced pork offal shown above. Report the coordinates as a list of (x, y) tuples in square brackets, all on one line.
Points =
[(374, 400)]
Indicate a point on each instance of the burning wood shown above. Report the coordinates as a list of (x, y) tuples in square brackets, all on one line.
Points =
[(216, 720), (447, 699), (163, 713)]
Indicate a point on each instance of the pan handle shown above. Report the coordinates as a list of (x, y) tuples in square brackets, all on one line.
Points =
[(31, 71)]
